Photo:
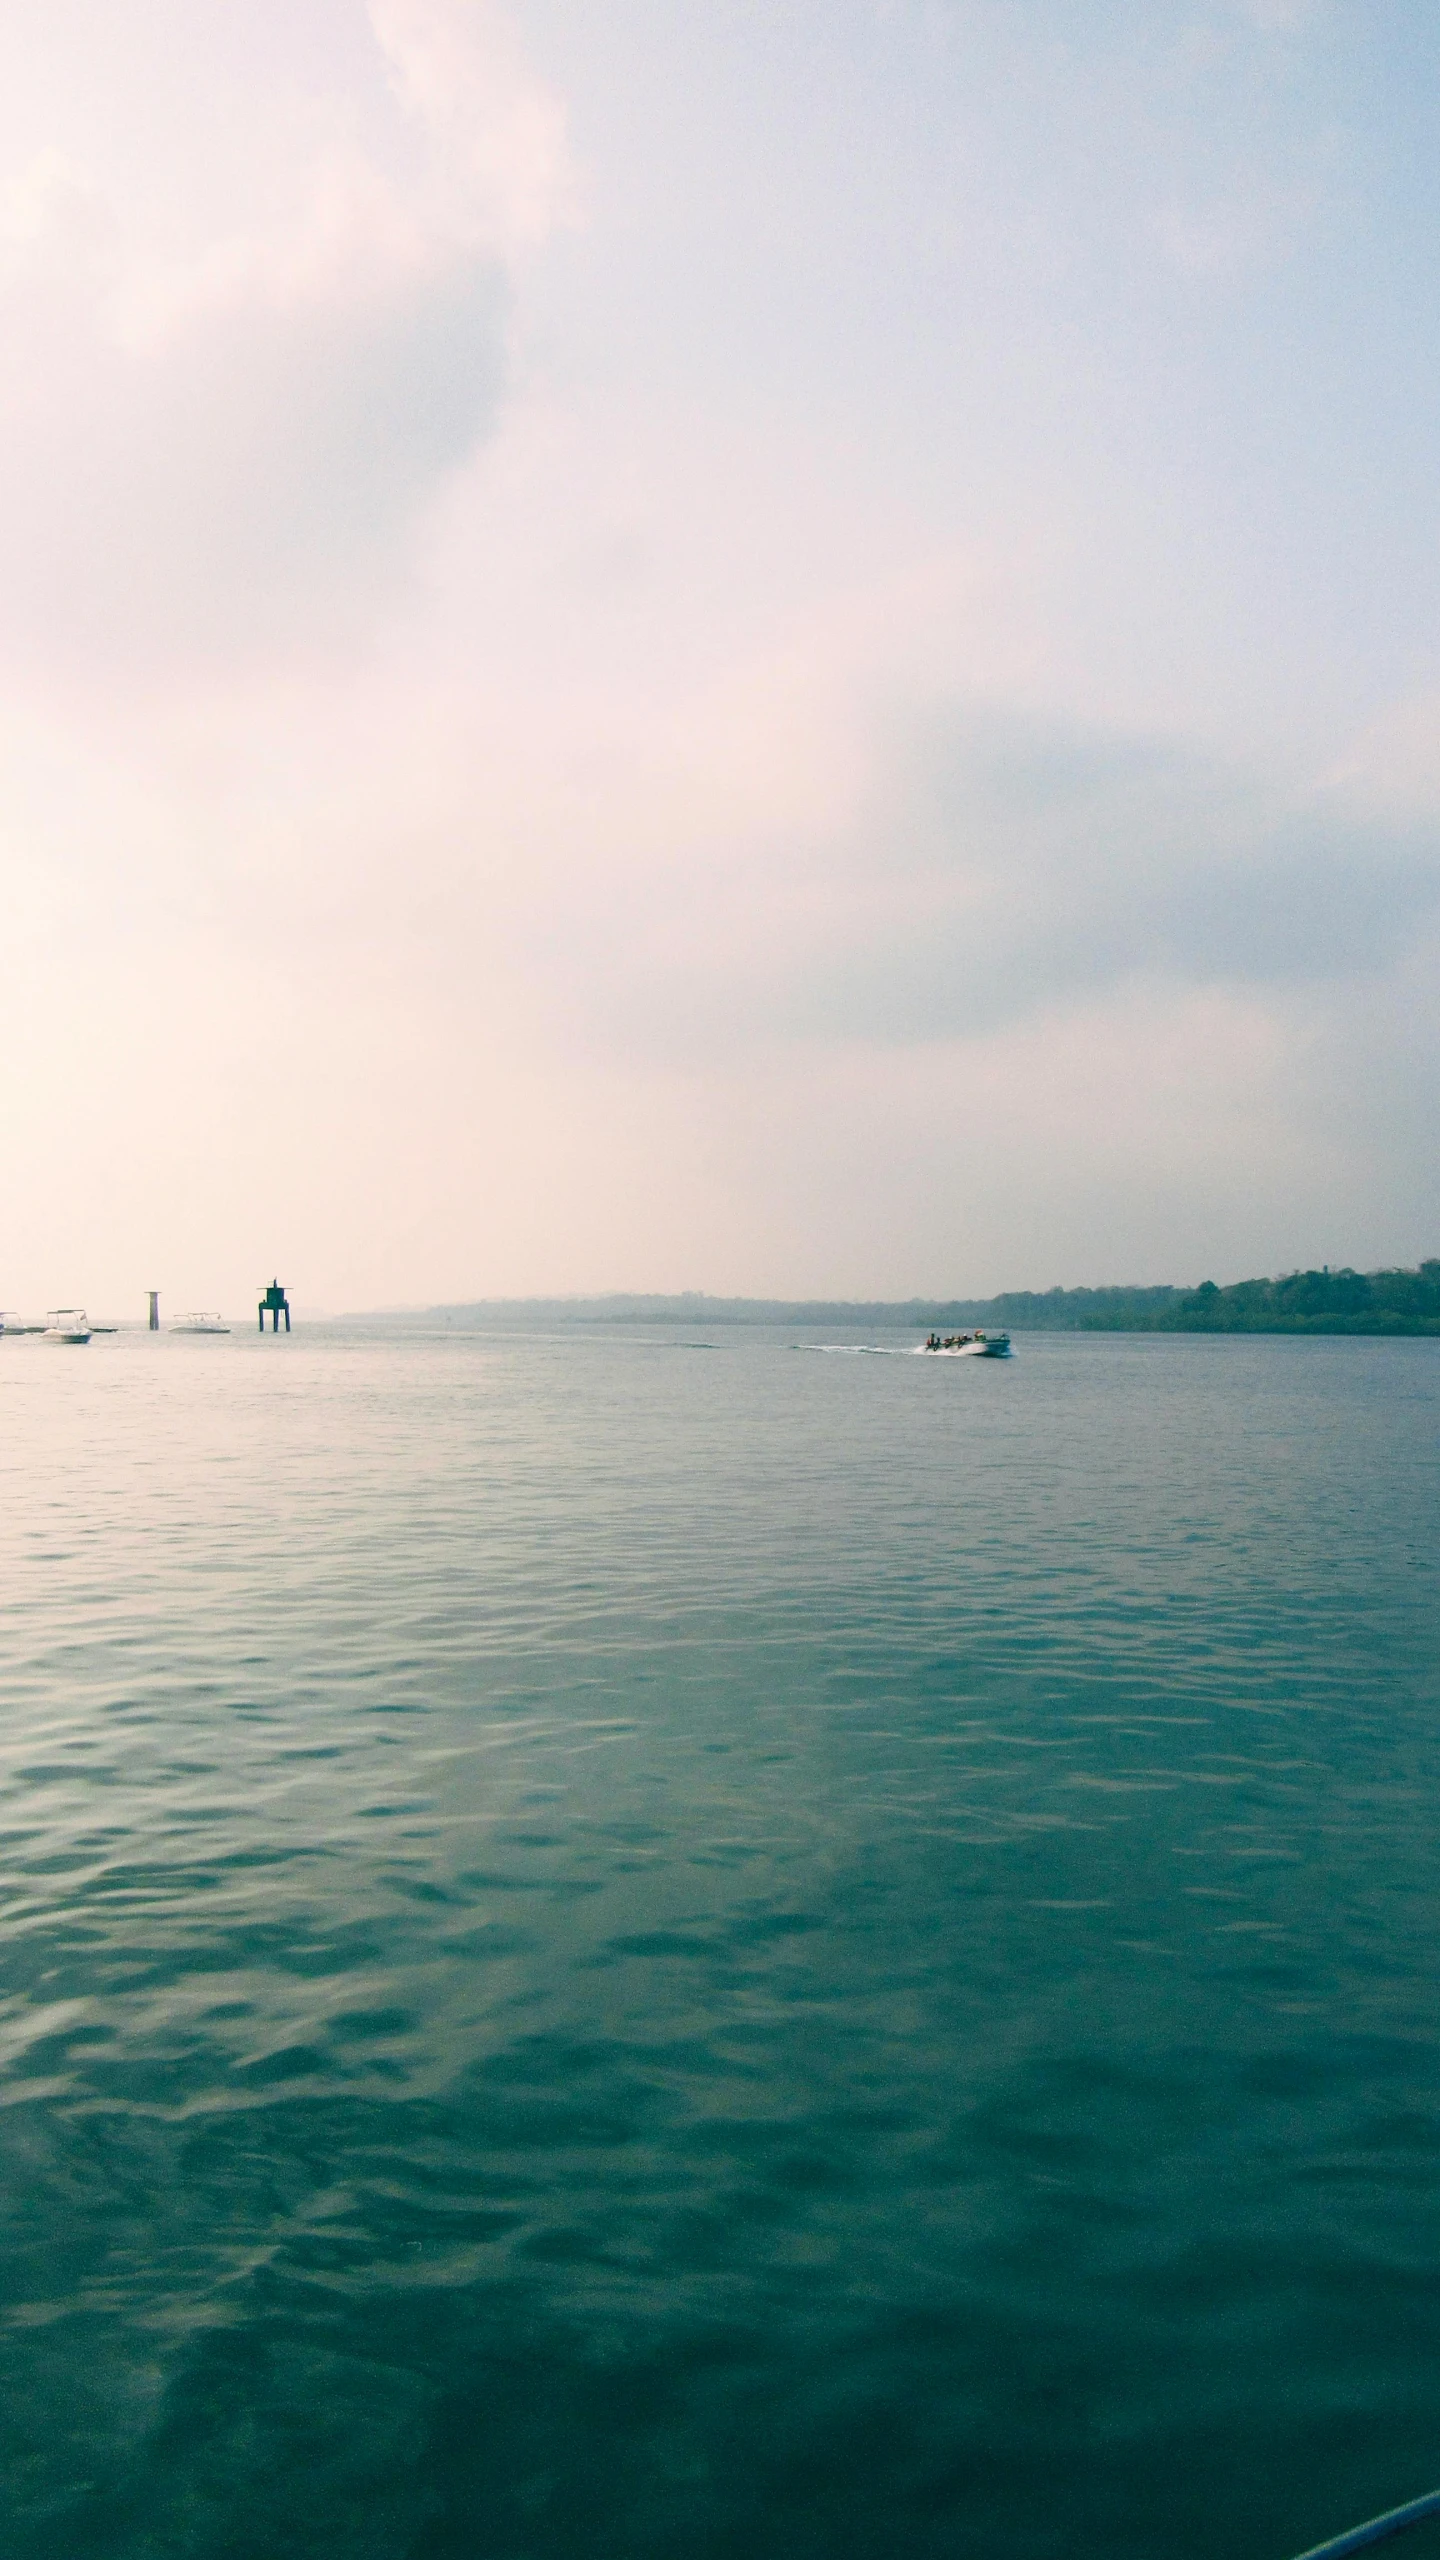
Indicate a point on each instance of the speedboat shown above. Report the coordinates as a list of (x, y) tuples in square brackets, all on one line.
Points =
[(199, 1324), (67, 1324), (968, 1346)]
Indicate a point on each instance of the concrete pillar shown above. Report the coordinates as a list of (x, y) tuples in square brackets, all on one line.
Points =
[(154, 1310)]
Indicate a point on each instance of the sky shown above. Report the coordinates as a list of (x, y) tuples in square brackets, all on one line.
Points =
[(787, 649)]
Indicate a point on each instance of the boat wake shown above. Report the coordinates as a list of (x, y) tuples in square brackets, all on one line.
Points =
[(858, 1350)]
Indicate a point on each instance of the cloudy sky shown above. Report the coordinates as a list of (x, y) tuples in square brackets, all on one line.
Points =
[(769, 645)]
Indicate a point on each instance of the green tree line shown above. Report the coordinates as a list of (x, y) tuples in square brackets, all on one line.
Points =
[(1325, 1301)]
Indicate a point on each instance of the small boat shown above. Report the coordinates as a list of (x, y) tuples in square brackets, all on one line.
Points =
[(10, 1322), (199, 1324), (969, 1346), (67, 1324)]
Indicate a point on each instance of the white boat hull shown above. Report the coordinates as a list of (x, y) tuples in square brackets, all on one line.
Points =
[(67, 1324), (991, 1346)]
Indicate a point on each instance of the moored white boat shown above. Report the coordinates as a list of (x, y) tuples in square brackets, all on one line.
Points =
[(968, 1346), (199, 1323), (67, 1324)]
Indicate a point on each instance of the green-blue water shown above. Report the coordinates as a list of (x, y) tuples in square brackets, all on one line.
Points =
[(629, 1949)]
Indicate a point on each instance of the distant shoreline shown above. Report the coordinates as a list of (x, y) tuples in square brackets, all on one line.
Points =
[(1394, 1302)]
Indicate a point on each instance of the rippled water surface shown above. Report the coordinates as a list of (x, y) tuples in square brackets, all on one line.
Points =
[(638, 1944)]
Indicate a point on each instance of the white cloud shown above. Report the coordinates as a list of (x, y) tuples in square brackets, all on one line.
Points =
[(215, 447), (993, 870), (500, 164)]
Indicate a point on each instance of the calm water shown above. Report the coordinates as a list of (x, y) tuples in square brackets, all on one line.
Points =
[(626, 1948)]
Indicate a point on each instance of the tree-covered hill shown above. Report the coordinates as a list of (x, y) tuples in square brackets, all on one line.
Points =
[(1323, 1301), (1317, 1302)]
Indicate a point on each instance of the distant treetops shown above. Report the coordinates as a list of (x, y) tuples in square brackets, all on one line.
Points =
[(1323, 1301)]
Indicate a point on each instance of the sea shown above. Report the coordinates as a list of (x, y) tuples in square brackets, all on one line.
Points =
[(632, 1942)]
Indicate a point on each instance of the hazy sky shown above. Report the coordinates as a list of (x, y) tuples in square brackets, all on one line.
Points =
[(785, 647)]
